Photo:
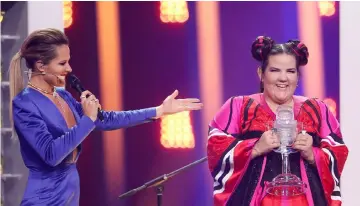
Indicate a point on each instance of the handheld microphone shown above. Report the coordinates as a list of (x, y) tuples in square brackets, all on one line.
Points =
[(75, 84)]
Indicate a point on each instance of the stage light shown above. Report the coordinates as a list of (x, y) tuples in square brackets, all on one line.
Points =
[(176, 131), (331, 105), (67, 14), (326, 8), (174, 11), (2, 16)]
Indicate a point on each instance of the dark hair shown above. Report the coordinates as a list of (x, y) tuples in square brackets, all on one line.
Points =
[(39, 45), (264, 46)]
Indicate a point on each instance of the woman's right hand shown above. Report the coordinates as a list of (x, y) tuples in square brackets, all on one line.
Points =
[(89, 105), (267, 142)]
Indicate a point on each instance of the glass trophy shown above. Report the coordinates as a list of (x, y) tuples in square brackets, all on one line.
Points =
[(286, 128)]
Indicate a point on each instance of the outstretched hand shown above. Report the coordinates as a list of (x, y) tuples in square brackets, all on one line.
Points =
[(171, 105)]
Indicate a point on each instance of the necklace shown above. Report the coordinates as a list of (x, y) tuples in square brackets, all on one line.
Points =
[(54, 94), (42, 90)]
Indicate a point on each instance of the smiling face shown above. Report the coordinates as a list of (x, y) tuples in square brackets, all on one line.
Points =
[(57, 69), (280, 78)]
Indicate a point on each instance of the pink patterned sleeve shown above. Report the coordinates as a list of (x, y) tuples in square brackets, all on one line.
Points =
[(227, 119), (228, 156), (331, 156)]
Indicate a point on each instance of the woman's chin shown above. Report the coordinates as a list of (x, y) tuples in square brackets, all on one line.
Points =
[(280, 96), (61, 82), (283, 98)]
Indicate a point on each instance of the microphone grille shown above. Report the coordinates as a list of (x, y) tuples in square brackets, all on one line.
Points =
[(73, 80)]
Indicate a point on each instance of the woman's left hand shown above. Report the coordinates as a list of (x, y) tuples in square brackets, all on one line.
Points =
[(303, 143), (171, 105)]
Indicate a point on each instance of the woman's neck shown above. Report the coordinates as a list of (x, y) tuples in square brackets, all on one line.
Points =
[(39, 82), (274, 105)]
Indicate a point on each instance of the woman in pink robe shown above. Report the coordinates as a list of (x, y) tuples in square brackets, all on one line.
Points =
[(240, 144)]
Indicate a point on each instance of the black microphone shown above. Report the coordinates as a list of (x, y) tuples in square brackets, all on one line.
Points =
[(76, 84)]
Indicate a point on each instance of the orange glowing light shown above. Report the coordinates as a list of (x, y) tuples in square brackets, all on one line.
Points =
[(174, 11), (331, 105), (326, 8), (67, 13), (176, 131)]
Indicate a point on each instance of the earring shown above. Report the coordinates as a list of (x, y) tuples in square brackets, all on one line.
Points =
[(28, 72)]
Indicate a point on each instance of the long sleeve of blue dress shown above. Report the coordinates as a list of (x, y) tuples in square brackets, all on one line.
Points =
[(52, 149), (118, 119)]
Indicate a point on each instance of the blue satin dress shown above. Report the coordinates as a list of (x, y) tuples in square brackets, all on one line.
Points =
[(47, 144)]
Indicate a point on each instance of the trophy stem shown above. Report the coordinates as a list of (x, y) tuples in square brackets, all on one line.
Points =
[(285, 163), (286, 185)]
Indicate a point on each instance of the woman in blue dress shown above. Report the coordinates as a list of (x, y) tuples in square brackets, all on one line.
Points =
[(51, 124)]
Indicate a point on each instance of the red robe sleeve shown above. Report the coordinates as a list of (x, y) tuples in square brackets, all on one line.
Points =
[(331, 156), (228, 155)]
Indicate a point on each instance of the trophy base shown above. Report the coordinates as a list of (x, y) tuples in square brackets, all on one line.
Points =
[(286, 185)]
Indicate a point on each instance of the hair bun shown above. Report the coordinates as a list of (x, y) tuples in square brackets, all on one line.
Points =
[(300, 50), (261, 47)]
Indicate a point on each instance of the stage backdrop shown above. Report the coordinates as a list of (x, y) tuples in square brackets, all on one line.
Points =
[(155, 59)]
